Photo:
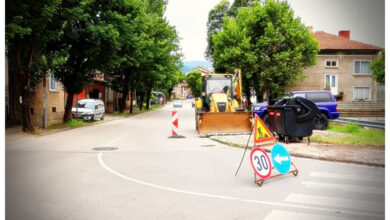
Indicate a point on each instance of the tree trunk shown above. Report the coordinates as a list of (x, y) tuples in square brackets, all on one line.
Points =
[(148, 96), (141, 101), (124, 94), (131, 100), (246, 90), (24, 82), (257, 88), (68, 107)]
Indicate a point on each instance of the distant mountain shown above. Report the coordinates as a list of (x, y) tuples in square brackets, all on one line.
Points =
[(189, 65)]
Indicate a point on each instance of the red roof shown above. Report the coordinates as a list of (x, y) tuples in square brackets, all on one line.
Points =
[(334, 42)]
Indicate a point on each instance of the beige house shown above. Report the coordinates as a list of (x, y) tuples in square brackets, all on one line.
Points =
[(343, 67), (55, 101), (182, 89)]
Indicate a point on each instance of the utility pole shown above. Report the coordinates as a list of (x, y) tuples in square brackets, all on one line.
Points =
[(44, 103)]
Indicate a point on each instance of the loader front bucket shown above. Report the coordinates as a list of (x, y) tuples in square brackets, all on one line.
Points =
[(224, 123)]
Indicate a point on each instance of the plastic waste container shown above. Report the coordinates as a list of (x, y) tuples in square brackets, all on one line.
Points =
[(290, 118)]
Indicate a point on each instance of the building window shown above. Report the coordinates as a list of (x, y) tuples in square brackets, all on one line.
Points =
[(362, 93), (331, 63), (362, 67), (380, 93), (53, 83)]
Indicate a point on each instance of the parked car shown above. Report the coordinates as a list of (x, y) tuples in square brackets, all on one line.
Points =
[(324, 100), (177, 103), (89, 109)]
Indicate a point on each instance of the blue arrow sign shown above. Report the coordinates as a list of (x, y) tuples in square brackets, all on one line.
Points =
[(280, 158)]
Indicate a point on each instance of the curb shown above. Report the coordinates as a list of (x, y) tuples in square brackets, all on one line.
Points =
[(305, 155)]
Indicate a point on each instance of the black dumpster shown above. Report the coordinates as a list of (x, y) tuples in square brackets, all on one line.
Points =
[(290, 118)]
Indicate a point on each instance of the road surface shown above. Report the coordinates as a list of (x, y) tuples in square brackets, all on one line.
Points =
[(139, 173)]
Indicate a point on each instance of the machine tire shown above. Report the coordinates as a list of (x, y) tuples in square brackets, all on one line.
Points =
[(320, 122)]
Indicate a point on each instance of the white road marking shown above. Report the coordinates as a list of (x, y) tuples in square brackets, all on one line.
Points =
[(345, 187), (114, 141), (278, 214), (214, 196), (344, 176), (336, 202)]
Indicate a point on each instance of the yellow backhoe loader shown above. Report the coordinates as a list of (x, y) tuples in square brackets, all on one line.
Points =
[(220, 110)]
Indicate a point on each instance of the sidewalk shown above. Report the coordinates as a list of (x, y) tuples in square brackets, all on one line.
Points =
[(366, 155), (17, 129)]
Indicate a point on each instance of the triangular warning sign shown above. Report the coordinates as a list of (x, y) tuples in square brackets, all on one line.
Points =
[(262, 133)]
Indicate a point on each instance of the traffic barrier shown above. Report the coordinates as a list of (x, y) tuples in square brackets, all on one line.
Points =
[(175, 125)]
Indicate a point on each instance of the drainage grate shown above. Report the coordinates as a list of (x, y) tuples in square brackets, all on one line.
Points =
[(207, 145), (105, 148)]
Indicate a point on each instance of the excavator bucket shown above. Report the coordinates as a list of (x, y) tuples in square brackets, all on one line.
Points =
[(224, 123)]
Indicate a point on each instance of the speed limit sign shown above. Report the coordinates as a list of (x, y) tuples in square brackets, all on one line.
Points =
[(261, 163)]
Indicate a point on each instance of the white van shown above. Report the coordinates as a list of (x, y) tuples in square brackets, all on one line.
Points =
[(89, 109)]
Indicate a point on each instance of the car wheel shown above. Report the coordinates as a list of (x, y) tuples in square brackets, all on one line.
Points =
[(320, 122), (92, 117), (265, 120), (286, 139), (102, 118)]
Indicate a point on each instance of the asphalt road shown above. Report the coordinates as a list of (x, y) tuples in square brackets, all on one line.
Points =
[(149, 176)]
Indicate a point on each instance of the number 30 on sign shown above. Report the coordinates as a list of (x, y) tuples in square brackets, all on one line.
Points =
[(261, 163)]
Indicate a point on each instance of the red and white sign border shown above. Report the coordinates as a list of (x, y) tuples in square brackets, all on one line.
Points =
[(268, 160)]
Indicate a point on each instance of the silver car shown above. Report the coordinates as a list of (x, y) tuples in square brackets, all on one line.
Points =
[(177, 103), (89, 109)]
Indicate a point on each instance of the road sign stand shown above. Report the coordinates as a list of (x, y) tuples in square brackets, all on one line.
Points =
[(260, 182)]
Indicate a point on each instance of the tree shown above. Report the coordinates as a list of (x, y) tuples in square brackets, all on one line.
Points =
[(214, 23), (147, 57), (238, 4), (90, 38), (194, 80), (30, 27), (270, 45), (378, 68)]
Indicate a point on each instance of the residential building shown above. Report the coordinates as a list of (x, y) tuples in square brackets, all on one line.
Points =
[(55, 101), (203, 69), (182, 89), (343, 67)]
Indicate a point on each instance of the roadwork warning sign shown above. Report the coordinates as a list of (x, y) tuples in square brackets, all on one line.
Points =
[(262, 133)]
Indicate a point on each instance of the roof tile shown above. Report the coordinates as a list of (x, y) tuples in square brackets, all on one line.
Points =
[(334, 42)]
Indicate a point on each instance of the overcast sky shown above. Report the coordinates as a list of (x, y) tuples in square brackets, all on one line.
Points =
[(364, 18)]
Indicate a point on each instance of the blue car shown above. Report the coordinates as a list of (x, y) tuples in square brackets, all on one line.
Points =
[(324, 100)]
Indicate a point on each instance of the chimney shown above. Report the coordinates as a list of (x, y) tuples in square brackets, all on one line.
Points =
[(310, 29), (344, 34)]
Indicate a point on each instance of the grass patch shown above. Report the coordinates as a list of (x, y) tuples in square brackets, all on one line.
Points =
[(73, 123), (357, 136)]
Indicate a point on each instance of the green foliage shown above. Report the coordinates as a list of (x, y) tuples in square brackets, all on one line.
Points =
[(214, 23), (378, 68), (270, 46), (88, 39), (148, 54), (194, 80), (238, 4)]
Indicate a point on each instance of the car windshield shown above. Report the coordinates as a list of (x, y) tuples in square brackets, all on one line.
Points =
[(218, 85), (87, 105)]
